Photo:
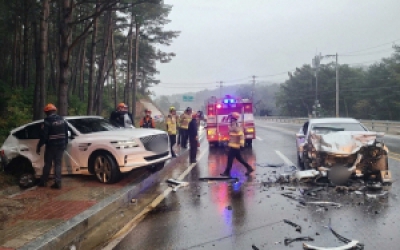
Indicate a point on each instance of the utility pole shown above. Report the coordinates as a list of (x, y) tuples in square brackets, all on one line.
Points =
[(337, 86), (254, 88), (220, 88)]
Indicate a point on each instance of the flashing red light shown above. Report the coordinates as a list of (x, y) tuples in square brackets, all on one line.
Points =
[(219, 106)]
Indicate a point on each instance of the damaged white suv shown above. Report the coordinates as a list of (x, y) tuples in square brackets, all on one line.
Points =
[(342, 147), (95, 147)]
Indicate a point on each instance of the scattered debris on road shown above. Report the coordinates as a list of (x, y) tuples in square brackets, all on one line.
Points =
[(298, 228), (287, 241), (177, 184)]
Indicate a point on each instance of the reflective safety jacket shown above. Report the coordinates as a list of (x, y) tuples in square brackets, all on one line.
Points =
[(147, 122), (184, 120), (236, 137), (171, 124), (55, 132)]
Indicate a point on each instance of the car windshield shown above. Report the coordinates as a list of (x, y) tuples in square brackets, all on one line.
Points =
[(91, 125), (334, 127)]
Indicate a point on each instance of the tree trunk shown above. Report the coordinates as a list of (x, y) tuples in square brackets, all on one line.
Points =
[(36, 98), (102, 65), (65, 33), (82, 73), (92, 62), (43, 44), (134, 82), (114, 69), (15, 54), (128, 73), (26, 45)]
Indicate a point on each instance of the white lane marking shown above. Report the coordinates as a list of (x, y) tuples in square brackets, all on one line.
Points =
[(128, 228), (258, 138), (284, 158)]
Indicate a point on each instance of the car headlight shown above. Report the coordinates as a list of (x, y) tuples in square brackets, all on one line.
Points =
[(211, 131), (250, 130), (125, 144)]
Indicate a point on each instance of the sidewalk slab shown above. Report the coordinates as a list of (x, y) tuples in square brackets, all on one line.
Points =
[(43, 218)]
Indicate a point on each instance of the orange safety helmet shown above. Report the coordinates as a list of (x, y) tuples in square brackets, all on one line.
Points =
[(121, 105), (194, 116), (50, 107), (235, 115)]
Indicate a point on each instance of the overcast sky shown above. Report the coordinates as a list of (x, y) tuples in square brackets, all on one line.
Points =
[(231, 40)]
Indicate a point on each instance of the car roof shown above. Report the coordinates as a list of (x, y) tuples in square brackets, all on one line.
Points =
[(333, 120), (65, 117)]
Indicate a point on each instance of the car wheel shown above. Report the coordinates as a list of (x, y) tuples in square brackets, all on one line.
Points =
[(249, 142), (26, 180), (106, 168), (300, 163)]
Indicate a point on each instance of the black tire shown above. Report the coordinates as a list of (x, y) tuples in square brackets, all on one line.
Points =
[(249, 143), (300, 163), (26, 180), (105, 168)]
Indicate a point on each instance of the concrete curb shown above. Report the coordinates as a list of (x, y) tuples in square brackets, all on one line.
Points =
[(64, 234)]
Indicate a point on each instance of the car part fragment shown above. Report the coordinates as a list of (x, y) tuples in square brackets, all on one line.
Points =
[(350, 244), (234, 179), (287, 241), (298, 228), (177, 184), (321, 203)]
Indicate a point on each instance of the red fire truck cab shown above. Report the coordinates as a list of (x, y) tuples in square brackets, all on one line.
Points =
[(218, 119)]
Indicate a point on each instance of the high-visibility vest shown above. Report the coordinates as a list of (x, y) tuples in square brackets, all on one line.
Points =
[(236, 137), (184, 120), (171, 124)]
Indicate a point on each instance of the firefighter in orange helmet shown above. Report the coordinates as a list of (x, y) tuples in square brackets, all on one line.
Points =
[(55, 137), (147, 121), (121, 117), (236, 141)]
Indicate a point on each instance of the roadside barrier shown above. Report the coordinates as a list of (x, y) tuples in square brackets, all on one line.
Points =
[(390, 127)]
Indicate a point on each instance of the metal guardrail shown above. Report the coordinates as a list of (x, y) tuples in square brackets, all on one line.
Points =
[(389, 127)]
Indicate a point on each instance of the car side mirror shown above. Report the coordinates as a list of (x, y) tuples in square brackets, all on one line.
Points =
[(300, 136)]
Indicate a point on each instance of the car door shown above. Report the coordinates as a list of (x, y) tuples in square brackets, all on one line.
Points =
[(28, 138), (70, 164)]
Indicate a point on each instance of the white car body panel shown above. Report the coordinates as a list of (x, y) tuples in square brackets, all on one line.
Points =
[(81, 146)]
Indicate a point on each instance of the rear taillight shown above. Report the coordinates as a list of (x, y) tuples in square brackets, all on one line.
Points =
[(1, 153)]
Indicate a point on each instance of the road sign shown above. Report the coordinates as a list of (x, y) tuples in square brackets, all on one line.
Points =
[(188, 98)]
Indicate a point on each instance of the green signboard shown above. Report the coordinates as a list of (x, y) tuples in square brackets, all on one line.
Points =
[(188, 98)]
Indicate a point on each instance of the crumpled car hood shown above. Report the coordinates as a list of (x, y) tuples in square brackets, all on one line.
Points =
[(343, 142)]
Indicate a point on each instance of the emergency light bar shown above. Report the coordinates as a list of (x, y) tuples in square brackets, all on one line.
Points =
[(229, 101)]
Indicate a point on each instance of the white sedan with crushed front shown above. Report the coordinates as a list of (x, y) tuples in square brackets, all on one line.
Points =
[(95, 147)]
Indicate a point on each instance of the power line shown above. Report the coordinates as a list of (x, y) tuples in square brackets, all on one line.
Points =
[(377, 46)]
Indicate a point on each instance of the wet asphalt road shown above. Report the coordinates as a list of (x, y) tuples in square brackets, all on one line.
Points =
[(221, 215)]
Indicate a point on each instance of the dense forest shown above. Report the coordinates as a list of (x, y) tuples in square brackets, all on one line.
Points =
[(85, 56)]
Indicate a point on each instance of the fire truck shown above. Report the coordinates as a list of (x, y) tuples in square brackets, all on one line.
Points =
[(218, 112)]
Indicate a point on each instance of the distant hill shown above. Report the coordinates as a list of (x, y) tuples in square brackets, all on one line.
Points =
[(264, 97)]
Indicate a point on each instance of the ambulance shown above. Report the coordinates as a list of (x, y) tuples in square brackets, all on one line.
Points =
[(218, 119)]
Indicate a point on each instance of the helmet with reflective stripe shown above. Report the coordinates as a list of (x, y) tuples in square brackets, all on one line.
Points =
[(235, 115), (50, 107)]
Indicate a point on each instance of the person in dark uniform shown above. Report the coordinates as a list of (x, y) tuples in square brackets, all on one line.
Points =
[(147, 121), (193, 138), (55, 137), (236, 141), (120, 117)]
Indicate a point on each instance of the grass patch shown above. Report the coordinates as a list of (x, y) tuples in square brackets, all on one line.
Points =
[(7, 180)]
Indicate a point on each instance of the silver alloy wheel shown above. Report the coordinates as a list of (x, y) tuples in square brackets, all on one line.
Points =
[(102, 168), (26, 180)]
